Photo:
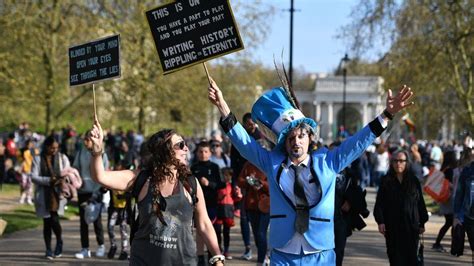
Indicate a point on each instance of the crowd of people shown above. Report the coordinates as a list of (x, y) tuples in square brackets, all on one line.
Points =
[(295, 185)]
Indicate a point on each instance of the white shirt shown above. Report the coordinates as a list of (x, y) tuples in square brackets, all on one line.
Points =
[(287, 181), (382, 163), (436, 154)]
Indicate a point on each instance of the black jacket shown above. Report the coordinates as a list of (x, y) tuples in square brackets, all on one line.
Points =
[(400, 206), (210, 171), (347, 189)]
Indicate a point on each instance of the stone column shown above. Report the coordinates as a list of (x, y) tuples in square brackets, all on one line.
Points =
[(317, 110), (365, 114), (330, 120)]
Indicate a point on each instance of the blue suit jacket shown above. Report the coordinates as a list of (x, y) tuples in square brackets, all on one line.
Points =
[(325, 164)]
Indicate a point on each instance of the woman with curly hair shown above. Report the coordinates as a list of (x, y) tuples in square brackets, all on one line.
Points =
[(165, 204)]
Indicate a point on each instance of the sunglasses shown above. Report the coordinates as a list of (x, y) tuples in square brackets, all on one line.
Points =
[(398, 161), (180, 145)]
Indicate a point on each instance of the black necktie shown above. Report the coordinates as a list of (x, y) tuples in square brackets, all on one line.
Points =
[(302, 210)]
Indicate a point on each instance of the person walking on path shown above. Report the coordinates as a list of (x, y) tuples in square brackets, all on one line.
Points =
[(301, 179), (46, 174), (464, 199), (209, 176), (218, 156), (400, 211), (382, 163), (118, 214), (254, 183), (165, 202), (89, 192), (237, 164), (446, 208), (26, 186), (226, 197)]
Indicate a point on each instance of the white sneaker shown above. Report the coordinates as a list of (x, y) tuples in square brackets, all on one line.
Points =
[(247, 255), (266, 262), (84, 253), (100, 251)]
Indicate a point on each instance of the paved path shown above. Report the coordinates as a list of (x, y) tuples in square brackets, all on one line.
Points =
[(365, 247), (368, 245)]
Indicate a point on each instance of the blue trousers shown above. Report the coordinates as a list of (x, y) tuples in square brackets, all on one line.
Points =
[(327, 257), (259, 222)]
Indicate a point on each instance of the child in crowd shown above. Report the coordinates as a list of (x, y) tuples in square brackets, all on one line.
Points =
[(117, 215), (208, 175), (226, 197), (26, 185)]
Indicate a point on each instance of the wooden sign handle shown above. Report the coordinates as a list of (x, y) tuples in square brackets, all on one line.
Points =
[(94, 102), (207, 73)]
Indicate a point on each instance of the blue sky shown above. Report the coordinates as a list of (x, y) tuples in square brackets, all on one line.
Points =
[(316, 24)]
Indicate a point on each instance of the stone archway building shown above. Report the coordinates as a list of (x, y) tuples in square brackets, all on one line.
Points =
[(364, 100)]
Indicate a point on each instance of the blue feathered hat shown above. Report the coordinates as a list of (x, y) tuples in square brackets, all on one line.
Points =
[(276, 110)]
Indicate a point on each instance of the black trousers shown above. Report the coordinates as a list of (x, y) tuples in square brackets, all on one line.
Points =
[(402, 248), (469, 227), (50, 225), (98, 229), (225, 233), (340, 239), (448, 218)]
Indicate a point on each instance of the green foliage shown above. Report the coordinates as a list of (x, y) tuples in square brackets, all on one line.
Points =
[(430, 48), (34, 87)]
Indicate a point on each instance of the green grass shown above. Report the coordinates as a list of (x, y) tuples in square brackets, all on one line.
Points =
[(10, 190), (20, 220), (24, 217)]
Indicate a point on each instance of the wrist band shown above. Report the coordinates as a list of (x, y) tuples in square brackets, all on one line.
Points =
[(95, 154), (387, 114), (216, 258)]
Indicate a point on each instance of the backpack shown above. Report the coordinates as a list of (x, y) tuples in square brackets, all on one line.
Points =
[(132, 208)]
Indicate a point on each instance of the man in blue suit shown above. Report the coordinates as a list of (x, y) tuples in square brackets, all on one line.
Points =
[(301, 178)]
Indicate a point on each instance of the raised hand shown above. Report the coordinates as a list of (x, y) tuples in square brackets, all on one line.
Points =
[(216, 98), (214, 93), (97, 137), (400, 101)]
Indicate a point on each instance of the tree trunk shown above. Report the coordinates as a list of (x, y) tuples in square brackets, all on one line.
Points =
[(48, 114), (141, 119)]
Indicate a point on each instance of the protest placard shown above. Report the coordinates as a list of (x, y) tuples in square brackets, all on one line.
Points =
[(93, 61), (188, 32)]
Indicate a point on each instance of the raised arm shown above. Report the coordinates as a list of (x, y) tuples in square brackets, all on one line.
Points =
[(117, 180), (395, 104), (248, 147), (216, 98), (354, 146)]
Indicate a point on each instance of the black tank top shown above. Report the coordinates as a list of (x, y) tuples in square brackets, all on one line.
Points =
[(158, 244)]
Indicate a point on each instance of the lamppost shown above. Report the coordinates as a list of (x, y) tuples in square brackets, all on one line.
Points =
[(344, 61), (292, 10)]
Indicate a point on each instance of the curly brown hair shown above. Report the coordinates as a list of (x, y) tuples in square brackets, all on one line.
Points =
[(161, 162)]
